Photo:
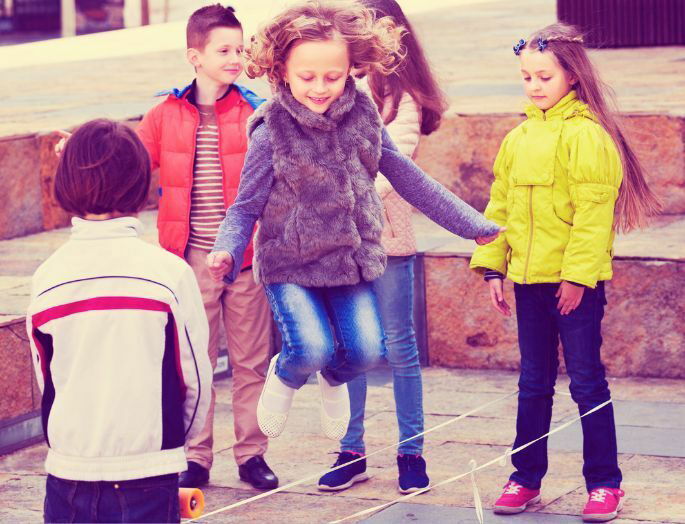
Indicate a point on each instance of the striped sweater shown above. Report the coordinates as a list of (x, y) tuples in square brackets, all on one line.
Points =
[(207, 208)]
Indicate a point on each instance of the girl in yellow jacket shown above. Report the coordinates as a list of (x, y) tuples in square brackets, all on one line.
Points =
[(565, 180)]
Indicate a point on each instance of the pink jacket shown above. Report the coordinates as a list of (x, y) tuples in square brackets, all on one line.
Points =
[(398, 237)]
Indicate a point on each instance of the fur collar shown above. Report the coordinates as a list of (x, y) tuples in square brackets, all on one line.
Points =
[(306, 117)]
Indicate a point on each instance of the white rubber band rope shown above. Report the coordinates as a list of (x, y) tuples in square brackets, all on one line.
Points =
[(477, 502), (471, 471), (321, 473)]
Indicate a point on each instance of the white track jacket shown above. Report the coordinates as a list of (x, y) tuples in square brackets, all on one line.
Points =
[(118, 336)]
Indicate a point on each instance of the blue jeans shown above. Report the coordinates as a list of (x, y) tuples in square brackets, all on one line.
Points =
[(312, 319), (540, 325), (395, 292), (153, 499)]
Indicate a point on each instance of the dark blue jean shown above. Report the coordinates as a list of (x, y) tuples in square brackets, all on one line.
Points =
[(335, 330), (153, 499), (540, 326), (395, 292)]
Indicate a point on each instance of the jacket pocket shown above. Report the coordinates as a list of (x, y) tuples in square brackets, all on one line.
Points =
[(563, 208), (597, 193)]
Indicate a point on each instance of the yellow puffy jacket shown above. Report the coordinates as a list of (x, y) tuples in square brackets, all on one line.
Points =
[(557, 177)]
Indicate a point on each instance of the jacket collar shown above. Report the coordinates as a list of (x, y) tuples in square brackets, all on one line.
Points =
[(122, 227), (306, 117), (191, 93), (568, 107), (188, 94)]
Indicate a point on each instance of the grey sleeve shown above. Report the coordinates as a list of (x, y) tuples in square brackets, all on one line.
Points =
[(256, 180), (430, 197)]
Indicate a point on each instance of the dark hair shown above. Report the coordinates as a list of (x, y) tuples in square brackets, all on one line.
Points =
[(202, 21), (414, 75), (104, 168)]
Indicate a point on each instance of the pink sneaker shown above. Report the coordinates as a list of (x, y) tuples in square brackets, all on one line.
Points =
[(515, 498), (603, 504)]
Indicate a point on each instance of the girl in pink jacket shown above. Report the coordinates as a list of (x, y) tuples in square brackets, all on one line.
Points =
[(411, 104)]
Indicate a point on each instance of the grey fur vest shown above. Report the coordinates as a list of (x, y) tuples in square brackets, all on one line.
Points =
[(322, 223)]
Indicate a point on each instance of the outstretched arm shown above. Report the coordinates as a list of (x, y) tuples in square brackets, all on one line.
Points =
[(430, 197)]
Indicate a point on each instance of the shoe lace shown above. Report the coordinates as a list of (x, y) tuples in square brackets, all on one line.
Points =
[(598, 495), (512, 488), (344, 457), (412, 462)]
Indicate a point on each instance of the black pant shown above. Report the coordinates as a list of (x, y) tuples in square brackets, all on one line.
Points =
[(540, 325), (153, 499)]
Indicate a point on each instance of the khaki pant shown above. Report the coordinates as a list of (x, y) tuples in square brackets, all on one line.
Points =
[(247, 320)]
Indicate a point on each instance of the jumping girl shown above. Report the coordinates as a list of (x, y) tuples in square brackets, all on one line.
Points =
[(314, 152)]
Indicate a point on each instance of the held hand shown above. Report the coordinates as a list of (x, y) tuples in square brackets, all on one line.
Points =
[(481, 241), (59, 147), (569, 297), (497, 296), (219, 263)]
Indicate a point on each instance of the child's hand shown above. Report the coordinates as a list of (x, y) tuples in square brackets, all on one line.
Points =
[(59, 147), (569, 296), (481, 241), (219, 263), (497, 296)]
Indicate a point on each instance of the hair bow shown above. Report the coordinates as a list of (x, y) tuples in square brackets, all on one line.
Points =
[(519, 46), (542, 44)]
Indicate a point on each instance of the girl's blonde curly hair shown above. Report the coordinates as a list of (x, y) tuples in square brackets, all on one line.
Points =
[(374, 45)]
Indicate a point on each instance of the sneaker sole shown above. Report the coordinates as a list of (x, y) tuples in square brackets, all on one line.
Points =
[(359, 477), (511, 510), (606, 517), (412, 490)]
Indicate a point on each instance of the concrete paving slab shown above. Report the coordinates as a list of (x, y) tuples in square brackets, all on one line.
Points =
[(654, 483), (283, 507), (25, 516), (651, 502), (663, 442), (650, 414), (410, 513)]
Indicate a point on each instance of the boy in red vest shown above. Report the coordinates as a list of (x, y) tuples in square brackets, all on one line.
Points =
[(197, 137)]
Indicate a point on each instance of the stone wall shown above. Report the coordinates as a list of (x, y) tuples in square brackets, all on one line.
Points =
[(644, 332), (461, 153), (27, 170), (19, 392)]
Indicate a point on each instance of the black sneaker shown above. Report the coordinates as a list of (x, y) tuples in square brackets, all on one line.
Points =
[(344, 478), (412, 470)]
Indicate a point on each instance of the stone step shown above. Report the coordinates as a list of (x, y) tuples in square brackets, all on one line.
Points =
[(455, 324), (59, 84), (643, 330), (459, 155)]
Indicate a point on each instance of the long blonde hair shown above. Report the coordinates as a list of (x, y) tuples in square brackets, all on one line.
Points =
[(636, 201), (373, 45)]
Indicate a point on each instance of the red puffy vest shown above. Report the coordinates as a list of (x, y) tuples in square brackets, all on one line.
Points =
[(168, 132)]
